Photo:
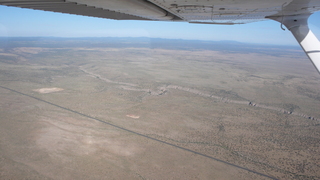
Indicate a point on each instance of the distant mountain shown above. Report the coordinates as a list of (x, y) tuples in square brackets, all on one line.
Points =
[(145, 42)]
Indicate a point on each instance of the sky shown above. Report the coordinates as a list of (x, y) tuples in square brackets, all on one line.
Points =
[(18, 22)]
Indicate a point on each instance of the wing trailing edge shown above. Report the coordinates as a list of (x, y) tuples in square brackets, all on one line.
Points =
[(63, 6)]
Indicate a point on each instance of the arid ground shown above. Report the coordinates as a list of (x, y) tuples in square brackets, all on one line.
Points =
[(127, 109)]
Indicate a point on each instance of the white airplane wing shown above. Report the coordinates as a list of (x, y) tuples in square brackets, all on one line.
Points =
[(291, 13)]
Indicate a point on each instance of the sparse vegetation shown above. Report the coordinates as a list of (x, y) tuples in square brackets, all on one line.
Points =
[(254, 111)]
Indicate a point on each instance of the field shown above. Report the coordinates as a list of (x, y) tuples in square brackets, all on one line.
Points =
[(135, 108)]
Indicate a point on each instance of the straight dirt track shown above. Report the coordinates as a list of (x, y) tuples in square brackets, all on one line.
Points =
[(136, 133)]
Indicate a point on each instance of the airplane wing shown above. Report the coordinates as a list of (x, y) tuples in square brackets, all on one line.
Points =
[(291, 13)]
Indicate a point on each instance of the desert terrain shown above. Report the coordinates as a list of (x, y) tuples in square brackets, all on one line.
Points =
[(132, 108)]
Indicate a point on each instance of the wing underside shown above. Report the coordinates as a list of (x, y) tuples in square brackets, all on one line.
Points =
[(195, 11), (63, 6)]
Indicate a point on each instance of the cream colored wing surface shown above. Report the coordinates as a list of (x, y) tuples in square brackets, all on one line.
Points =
[(235, 11)]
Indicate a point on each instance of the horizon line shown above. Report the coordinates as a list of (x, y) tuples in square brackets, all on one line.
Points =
[(266, 44)]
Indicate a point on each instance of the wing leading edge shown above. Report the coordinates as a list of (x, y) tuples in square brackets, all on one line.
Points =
[(291, 13)]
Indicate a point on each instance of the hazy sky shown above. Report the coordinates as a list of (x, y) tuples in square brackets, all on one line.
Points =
[(25, 22)]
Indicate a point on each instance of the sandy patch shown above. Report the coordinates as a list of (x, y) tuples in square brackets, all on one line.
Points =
[(62, 135), (133, 116), (8, 54), (30, 50), (48, 90)]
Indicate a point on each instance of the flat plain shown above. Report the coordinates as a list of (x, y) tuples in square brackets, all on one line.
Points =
[(138, 108)]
